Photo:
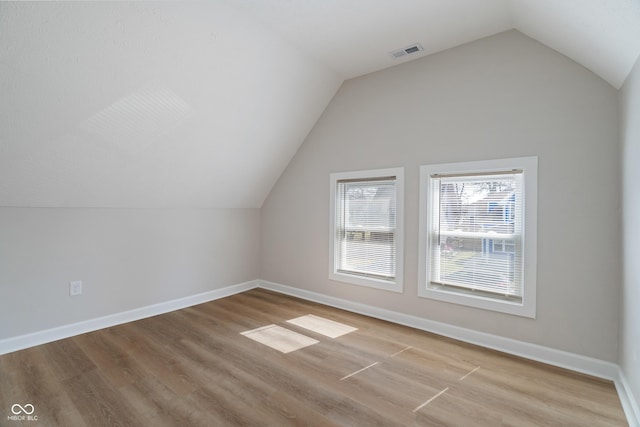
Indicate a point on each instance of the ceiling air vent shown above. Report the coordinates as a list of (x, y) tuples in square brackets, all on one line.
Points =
[(398, 53)]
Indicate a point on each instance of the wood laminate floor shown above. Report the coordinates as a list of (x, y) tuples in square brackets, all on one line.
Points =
[(194, 367)]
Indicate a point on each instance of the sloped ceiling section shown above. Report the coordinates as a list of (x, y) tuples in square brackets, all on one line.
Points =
[(601, 35), (167, 104), (203, 104)]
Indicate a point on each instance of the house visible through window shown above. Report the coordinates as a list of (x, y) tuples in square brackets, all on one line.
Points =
[(474, 219), (475, 230), (367, 228)]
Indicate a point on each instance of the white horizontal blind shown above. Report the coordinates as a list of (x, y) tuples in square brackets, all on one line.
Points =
[(366, 227), (476, 236)]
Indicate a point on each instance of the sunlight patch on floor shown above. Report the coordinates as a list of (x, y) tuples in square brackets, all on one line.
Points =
[(279, 338), (322, 326)]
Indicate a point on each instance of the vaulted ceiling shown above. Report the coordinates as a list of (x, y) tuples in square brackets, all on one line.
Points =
[(203, 104)]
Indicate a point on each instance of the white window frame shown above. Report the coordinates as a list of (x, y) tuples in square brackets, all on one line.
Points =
[(529, 166), (395, 285)]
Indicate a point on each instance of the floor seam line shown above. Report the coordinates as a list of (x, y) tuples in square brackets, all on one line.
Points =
[(358, 371), (469, 373), (431, 400)]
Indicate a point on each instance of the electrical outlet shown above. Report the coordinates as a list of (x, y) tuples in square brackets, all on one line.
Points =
[(75, 288)]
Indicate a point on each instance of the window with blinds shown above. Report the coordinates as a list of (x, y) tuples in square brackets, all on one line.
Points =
[(366, 227), (366, 215), (478, 234)]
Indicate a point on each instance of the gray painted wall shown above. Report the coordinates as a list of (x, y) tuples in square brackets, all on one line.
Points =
[(629, 357), (503, 96), (126, 258)]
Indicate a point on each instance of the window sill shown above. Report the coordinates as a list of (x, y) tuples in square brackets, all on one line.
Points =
[(479, 301), (385, 285)]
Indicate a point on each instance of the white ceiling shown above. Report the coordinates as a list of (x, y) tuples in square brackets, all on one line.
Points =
[(203, 104), (354, 37)]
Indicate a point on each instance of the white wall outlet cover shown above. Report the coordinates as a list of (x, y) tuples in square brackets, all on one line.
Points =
[(75, 288)]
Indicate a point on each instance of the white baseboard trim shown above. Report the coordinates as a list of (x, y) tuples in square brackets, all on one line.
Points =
[(9, 345), (628, 400), (563, 359)]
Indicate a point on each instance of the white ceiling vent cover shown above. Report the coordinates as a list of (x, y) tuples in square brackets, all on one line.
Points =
[(398, 53)]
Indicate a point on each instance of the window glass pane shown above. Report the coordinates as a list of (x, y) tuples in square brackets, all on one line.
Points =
[(366, 227), (476, 236)]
